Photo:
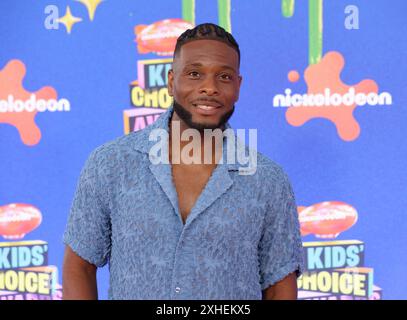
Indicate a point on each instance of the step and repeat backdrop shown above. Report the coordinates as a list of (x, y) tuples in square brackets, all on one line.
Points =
[(323, 83)]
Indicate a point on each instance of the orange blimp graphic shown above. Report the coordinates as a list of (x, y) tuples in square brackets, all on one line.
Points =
[(327, 219), (161, 36), (18, 219)]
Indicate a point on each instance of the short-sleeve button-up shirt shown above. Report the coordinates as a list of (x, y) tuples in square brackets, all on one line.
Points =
[(241, 236)]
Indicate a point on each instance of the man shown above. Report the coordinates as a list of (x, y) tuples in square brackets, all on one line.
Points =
[(178, 230)]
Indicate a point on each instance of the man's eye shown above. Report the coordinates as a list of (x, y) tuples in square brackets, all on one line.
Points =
[(226, 77), (193, 74)]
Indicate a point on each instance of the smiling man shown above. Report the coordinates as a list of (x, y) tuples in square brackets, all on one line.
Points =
[(178, 230)]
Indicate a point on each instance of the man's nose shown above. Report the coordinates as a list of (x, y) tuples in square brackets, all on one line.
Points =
[(209, 86)]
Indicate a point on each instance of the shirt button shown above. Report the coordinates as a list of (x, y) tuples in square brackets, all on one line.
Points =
[(177, 289)]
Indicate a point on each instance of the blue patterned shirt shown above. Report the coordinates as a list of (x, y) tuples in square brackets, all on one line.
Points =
[(241, 236)]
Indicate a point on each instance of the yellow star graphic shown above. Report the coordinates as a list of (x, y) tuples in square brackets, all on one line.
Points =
[(91, 5), (68, 20)]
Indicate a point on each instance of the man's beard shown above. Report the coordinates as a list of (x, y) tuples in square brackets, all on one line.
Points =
[(186, 116)]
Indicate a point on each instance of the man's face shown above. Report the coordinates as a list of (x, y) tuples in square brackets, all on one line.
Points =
[(205, 83)]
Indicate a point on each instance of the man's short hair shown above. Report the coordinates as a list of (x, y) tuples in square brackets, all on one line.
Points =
[(207, 31)]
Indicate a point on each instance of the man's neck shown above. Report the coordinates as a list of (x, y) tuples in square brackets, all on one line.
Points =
[(206, 144)]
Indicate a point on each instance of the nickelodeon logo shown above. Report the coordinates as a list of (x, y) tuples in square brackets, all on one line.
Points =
[(34, 104), (19, 107), (328, 97), (331, 100)]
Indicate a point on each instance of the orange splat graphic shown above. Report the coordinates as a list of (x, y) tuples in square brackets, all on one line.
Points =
[(293, 76), (326, 74), (11, 83)]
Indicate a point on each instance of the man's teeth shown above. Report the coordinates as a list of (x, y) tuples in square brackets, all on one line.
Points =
[(201, 106)]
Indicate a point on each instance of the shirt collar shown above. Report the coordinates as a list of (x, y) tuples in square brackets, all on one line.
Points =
[(143, 144)]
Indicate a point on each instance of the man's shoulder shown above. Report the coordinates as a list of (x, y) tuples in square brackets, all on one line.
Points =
[(134, 141), (271, 181), (269, 171), (120, 151)]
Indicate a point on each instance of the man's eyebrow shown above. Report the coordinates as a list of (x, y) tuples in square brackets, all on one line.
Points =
[(197, 64)]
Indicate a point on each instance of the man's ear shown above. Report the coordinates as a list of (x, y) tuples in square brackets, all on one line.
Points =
[(170, 86)]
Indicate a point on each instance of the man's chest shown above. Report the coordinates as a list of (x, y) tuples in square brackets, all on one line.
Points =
[(189, 182), (147, 205)]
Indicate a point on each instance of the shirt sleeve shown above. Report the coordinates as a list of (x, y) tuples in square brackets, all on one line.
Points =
[(280, 249), (88, 230)]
